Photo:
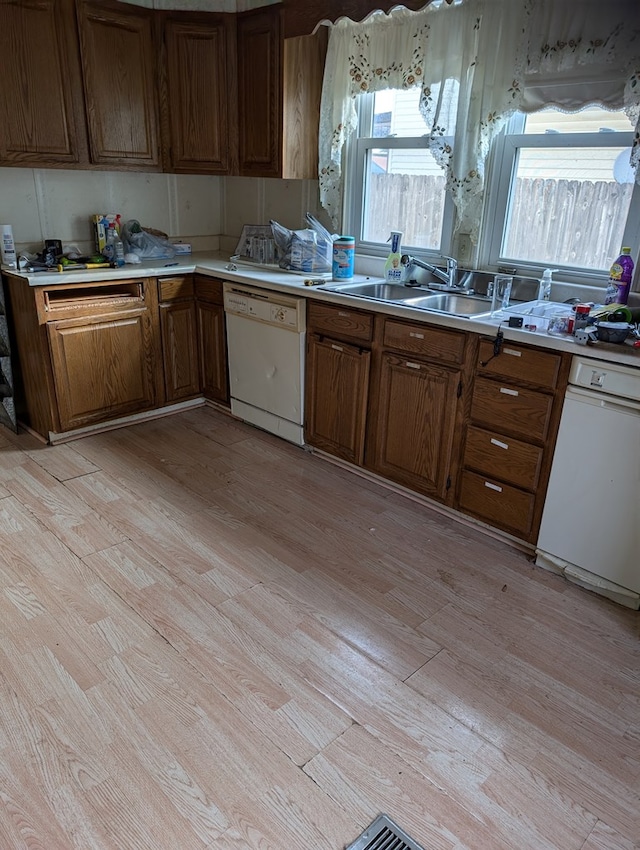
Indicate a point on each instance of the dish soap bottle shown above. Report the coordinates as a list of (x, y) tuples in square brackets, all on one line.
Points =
[(544, 287), (620, 277), (392, 268)]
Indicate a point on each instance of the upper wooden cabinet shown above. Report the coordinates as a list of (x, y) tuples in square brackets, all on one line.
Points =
[(279, 89), (199, 94), (41, 108), (120, 85), (260, 92), (109, 85)]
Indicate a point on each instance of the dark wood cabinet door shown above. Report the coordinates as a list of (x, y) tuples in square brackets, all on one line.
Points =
[(212, 341), (337, 390), (102, 366), (415, 424), (201, 94), (42, 119), (260, 92), (178, 329), (118, 61)]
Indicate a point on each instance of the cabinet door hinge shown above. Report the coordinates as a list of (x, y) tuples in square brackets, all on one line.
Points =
[(459, 388)]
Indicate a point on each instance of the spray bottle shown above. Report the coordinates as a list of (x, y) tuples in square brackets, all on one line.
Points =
[(544, 287), (392, 268)]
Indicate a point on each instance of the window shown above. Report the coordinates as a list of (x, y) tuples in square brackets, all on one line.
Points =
[(562, 192), (396, 184)]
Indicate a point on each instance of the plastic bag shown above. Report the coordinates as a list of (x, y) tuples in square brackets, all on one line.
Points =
[(144, 244), (303, 250)]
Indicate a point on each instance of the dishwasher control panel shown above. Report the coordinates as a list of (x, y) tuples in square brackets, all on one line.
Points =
[(261, 305), (604, 377)]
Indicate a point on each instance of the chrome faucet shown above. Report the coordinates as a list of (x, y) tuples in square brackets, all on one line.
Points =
[(450, 277)]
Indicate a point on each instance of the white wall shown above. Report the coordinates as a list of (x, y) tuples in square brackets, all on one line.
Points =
[(252, 200), (58, 204), (209, 212)]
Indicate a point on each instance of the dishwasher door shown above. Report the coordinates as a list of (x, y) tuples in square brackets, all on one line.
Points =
[(265, 342), (591, 515)]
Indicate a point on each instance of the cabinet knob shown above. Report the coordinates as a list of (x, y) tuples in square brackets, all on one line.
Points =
[(509, 391)]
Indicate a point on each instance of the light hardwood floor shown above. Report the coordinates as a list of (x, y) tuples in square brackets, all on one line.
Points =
[(211, 638)]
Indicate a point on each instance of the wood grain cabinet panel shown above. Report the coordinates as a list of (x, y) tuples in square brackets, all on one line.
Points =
[(506, 458), (512, 409), (212, 339), (340, 322), (102, 367), (336, 397), (260, 92), (201, 87), (42, 120), (415, 424), (178, 328), (520, 363), (435, 343), (118, 60), (497, 503)]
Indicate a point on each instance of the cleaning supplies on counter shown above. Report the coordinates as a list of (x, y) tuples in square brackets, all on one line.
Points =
[(393, 268), (8, 247), (344, 249), (544, 287), (620, 277)]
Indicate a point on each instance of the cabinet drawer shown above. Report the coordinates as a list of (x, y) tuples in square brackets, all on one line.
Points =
[(511, 409), (497, 503), (447, 346), (172, 288), (520, 362), (341, 321), (209, 289), (503, 457)]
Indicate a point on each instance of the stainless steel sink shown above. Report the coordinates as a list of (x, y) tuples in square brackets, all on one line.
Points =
[(380, 291), (454, 303), (451, 302)]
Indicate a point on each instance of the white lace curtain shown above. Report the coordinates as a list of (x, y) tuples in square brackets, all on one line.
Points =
[(477, 62)]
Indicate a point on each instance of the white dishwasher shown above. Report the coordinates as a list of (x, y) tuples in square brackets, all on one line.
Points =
[(590, 529), (266, 341)]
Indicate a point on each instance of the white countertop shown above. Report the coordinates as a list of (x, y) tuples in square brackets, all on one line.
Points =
[(218, 265)]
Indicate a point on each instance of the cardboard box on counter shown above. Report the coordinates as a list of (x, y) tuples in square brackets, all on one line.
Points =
[(182, 247), (101, 222)]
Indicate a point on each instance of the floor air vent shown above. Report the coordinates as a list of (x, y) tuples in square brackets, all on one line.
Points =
[(384, 834)]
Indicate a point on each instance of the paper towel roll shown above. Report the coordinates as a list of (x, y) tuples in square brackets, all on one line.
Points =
[(7, 247)]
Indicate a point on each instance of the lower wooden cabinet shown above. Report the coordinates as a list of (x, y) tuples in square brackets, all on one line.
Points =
[(178, 330), (179, 350), (102, 367), (336, 397), (415, 423), (514, 415), (212, 339)]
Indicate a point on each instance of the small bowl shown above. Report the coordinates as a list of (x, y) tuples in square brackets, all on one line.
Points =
[(612, 331)]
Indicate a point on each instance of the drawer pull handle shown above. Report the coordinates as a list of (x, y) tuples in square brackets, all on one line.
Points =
[(493, 486), (507, 391), (337, 347), (412, 365), (344, 315), (497, 443), (416, 335), (512, 352)]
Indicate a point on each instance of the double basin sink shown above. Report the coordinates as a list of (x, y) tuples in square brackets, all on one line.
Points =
[(453, 302)]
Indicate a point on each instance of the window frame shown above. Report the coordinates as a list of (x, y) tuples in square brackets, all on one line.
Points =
[(357, 151), (501, 165)]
